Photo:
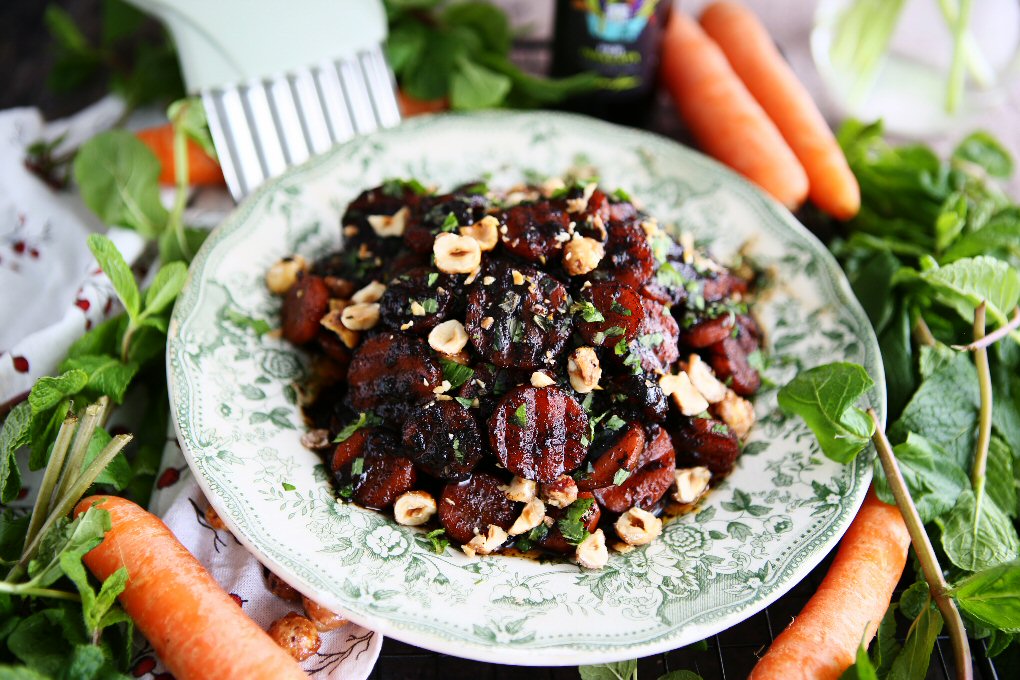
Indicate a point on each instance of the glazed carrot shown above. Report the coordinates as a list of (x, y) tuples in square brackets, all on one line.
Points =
[(193, 625), (202, 170), (822, 642), (723, 116), (754, 57)]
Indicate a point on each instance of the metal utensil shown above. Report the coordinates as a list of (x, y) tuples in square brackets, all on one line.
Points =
[(281, 82)]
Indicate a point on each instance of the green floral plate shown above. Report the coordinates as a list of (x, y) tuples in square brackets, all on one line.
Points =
[(757, 535)]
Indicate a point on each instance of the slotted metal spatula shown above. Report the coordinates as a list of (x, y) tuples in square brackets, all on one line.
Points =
[(281, 81)]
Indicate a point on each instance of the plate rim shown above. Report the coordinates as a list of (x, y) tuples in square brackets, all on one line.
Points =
[(554, 655)]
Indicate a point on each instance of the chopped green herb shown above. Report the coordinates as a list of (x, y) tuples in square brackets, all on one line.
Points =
[(614, 330), (621, 476), (620, 349), (450, 223), (364, 420), (650, 340), (617, 308), (287, 486), (622, 195), (536, 535), (516, 330), (430, 305), (465, 402), (614, 423), (346, 492), (521, 416), (456, 374), (587, 310), (668, 276), (572, 524), (395, 187), (438, 540), (433, 277), (476, 188), (598, 338), (358, 466)]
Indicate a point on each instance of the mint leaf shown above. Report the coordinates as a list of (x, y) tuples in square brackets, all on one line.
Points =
[(119, 180), (75, 537), (189, 115), (473, 86), (977, 538), (117, 473), (621, 670), (1000, 484), (824, 397), (49, 391), (963, 284), (165, 287), (438, 540), (982, 149), (945, 409), (913, 660), (935, 481), (521, 415), (992, 596), (107, 375), (862, 668), (456, 374), (13, 435), (114, 266), (96, 608), (572, 524), (587, 310), (999, 237), (886, 647), (364, 420)]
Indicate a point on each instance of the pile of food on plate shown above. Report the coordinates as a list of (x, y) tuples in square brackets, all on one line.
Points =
[(541, 369)]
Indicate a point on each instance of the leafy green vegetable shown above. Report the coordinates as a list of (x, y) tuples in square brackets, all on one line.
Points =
[(456, 374), (13, 435), (965, 283), (364, 420), (571, 524), (621, 670), (934, 480), (977, 538), (460, 51), (981, 149), (913, 660), (992, 596), (862, 668), (119, 181), (825, 397)]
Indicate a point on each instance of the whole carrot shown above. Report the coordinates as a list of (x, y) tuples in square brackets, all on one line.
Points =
[(202, 170), (754, 57), (823, 640), (723, 116), (193, 625)]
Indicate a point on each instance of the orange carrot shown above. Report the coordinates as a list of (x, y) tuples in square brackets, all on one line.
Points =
[(754, 57), (822, 642), (723, 116), (193, 625), (202, 170), (412, 106)]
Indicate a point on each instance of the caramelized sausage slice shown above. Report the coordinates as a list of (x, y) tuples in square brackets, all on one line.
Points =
[(443, 440), (518, 317), (306, 303), (621, 309), (646, 487), (536, 433), (708, 331), (429, 221), (421, 297), (622, 452), (705, 441), (640, 395), (656, 341), (628, 257), (368, 466), (389, 374), (472, 505), (534, 231), (729, 361)]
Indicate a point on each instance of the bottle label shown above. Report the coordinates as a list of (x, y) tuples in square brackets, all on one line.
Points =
[(618, 40)]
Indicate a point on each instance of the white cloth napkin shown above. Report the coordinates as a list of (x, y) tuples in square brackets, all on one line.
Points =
[(51, 292)]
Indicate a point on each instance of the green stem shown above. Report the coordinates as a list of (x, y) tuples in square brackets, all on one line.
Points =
[(79, 449), (181, 174), (125, 344), (977, 475), (923, 333), (49, 480), (74, 493), (957, 75), (26, 590), (994, 336), (937, 585)]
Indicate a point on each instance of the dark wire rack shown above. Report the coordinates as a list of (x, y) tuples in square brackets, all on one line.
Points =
[(730, 655)]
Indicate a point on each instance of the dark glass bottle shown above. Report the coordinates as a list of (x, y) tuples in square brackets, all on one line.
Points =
[(620, 41)]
